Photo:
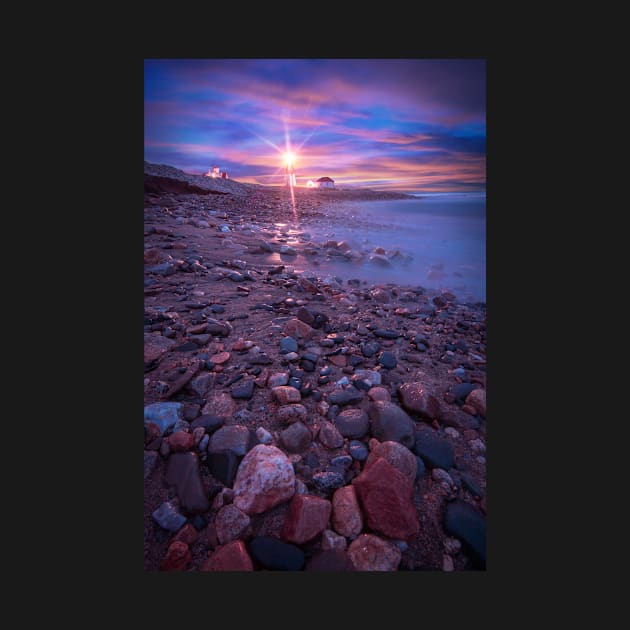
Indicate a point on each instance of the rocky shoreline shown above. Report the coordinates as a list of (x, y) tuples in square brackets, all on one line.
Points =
[(294, 421)]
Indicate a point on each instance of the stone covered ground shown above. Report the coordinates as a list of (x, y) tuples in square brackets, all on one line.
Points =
[(299, 422)]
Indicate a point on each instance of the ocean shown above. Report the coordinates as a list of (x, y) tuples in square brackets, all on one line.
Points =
[(437, 241)]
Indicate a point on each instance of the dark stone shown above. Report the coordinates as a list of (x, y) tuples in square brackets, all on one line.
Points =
[(306, 316), (346, 396), (295, 382), (189, 346), (311, 460), (288, 344), (352, 423), (354, 360), (434, 451), (256, 371), (209, 422), (275, 554), (461, 390), (325, 371), (358, 450), (370, 348), (420, 469), (329, 561), (462, 346), (260, 359), (296, 438), (470, 485), (328, 481), (310, 356), (389, 422), (198, 522), (386, 334), (191, 411), (387, 360), (307, 366), (421, 340), (320, 320), (183, 473), (244, 391), (439, 301), (464, 522), (341, 462), (223, 466)]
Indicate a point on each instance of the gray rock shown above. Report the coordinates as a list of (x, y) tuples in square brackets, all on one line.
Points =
[(390, 423), (370, 348), (434, 451), (243, 391), (347, 396), (352, 423), (183, 473), (358, 450), (387, 360), (168, 518), (328, 481), (329, 435), (288, 344), (264, 437), (164, 414), (234, 438), (296, 438), (209, 422)]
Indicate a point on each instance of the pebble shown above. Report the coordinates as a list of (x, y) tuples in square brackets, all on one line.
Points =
[(333, 540), (352, 423), (328, 481), (264, 437), (288, 344), (347, 396), (296, 438), (243, 391), (434, 451), (230, 557), (371, 553), (286, 395), (469, 483), (464, 522), (278, 379), (390, 422), (387, 360), (329, 435), (150, 459), (164, 414), (306, 518), (177, 557), (358, 450), (441, 476)]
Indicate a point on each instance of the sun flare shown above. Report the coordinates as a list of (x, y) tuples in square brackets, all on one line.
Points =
[(289, 158)]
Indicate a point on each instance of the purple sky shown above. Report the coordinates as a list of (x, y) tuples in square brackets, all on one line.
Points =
[(411, 124)]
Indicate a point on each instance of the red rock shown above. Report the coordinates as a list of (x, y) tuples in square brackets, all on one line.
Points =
[(265, 478), (155, 346), (469, 409), (332, 540), (329, 435), (346, 514), (151, 432), (177, 557), (196, 330), (371, 553), (386, 495), (399, 456), (181, 442), (187, 534), (219, 359), (153, 256), (307, 518), (477, 399), (286, 395), (220, 405), (230, 557), (211, 536), (298, 329), (231, 523), (340, 360), (416, 398)]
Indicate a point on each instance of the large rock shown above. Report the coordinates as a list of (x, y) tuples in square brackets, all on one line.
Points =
[(264, 479), (183, 473), (234, 438), (434, 451), (346, 513), (276, 555), (164, 415), (389, 422), (230, 557), (298, 329), (415, 398), (464, 522), (307, 518), (386, 496), (223, 466), (155, 345), (352, 423), (209, 422), (296, 438), (477, 399), (329, 435), (231, 523), (371, 553), (181, 441), (399, 456)]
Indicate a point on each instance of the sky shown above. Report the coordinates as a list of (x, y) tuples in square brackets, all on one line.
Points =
[(415, 125)]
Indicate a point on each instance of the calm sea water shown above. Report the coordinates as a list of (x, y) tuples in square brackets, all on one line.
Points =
[(436, 241)]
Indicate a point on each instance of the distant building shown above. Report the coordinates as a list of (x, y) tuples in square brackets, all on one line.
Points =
[(325, 182), (215, 172), (289, 176)]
